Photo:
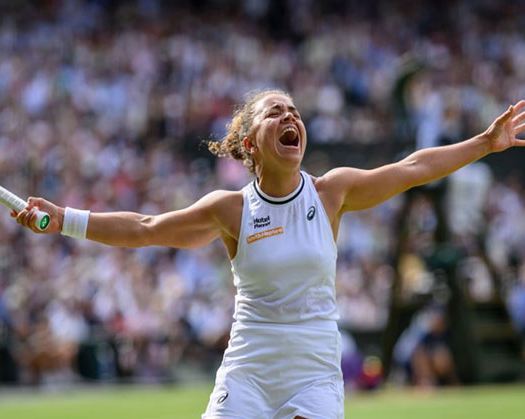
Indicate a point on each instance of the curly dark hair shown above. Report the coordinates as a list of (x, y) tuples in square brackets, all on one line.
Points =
[(239, 127)]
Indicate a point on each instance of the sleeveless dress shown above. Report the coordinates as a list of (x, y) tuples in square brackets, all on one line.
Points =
[(284, 354)]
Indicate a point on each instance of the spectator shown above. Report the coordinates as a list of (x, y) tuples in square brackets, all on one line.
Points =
[(422, 351)]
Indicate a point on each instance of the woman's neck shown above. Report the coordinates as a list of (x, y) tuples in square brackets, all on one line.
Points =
[(278, 184)]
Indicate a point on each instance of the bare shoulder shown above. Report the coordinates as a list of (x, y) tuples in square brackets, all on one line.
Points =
[(222, 197), (226, 208), (221, 201), (332, 188), (336, 181)]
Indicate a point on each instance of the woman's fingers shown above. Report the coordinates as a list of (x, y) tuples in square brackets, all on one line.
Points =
[(22, 216), (519, 116), (518, 119), (518, 143), (26, 217), (35, 202), (518, 123), (29, 216), (519, 106)]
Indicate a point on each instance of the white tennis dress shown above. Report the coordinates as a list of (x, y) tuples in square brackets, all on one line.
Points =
[(284, 354)]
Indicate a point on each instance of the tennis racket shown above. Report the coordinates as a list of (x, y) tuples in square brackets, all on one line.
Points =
[(10, 200)]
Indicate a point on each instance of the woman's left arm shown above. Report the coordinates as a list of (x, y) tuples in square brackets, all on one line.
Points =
[(361, 189)]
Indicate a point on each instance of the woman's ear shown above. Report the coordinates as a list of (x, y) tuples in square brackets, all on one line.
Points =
[(248, 145)]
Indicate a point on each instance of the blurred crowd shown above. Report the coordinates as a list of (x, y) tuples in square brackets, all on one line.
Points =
[(104, 105)]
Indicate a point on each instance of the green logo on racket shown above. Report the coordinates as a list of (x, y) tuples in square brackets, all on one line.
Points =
[(44, 222)]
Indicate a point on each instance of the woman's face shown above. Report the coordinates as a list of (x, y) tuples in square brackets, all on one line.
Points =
[(278, 135)]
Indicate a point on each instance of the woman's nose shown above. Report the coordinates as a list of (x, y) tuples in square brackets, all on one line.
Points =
[(288, 116)]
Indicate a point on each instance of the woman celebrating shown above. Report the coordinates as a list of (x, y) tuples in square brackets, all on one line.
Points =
[(283, 357)]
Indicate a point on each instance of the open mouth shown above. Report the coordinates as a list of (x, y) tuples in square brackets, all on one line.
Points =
[(289, 137)]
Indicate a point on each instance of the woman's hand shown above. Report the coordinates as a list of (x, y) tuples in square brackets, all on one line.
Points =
[(503, 131), (27, 216)]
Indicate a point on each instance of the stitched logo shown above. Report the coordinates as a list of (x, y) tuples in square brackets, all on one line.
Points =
[(222, 398), (311, 213)]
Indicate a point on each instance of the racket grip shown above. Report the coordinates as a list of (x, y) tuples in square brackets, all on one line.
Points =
[(42, 220)]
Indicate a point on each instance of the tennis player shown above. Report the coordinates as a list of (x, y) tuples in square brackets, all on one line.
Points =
[(283, 357)]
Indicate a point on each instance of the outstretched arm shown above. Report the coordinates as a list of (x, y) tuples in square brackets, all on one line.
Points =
[(194, 226), (361, 189)]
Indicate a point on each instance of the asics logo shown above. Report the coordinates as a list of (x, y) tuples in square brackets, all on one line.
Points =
[(222, 398), (311, 213)]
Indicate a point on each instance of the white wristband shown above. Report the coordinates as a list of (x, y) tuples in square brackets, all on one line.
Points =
[(75, 223)]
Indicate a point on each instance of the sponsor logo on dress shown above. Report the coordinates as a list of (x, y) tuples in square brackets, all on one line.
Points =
[(222, 398), (264, 234), (260, 222), (311, 213)]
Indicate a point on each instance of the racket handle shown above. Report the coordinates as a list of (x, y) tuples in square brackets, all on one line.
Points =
[(14, 202), (42, 220)]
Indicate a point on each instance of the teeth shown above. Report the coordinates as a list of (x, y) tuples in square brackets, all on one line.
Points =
[(292, 141), (289, 129)]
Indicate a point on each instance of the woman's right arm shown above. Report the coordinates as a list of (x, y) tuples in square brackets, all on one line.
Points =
[(195, 226)]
